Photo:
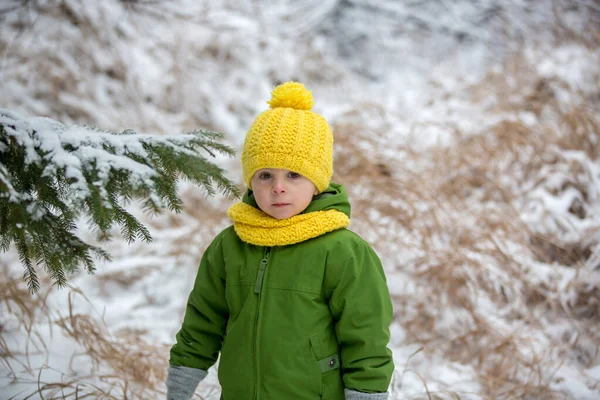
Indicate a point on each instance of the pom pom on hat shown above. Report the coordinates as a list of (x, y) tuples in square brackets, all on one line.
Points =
[(291, 95)]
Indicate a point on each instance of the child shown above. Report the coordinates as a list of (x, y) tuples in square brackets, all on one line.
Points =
[(296, 304)]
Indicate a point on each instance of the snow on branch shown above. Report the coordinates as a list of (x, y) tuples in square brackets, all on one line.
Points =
[(51, 174)]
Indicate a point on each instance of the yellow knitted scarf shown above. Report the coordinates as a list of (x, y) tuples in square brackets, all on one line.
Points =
[(256, 227)]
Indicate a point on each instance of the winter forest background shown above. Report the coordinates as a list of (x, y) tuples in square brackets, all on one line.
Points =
[(468, 136)]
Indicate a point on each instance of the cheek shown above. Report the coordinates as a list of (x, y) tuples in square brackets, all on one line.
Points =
[(259, 194), (308, 197), (261, 201)]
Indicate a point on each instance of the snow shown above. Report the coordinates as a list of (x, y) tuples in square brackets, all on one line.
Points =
[(394, 79)]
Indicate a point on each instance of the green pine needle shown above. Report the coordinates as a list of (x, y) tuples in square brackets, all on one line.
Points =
[(42, 196)]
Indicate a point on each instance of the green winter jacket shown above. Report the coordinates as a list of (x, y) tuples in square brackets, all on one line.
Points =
[(301, 321)]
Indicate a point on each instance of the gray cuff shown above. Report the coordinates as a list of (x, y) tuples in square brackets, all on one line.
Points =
[(350, 394), (183, 381)]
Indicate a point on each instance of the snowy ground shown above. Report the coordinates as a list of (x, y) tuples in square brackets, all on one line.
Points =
[(461, 136)]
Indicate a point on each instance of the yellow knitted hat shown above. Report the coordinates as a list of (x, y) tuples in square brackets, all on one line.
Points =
[(290, 136)]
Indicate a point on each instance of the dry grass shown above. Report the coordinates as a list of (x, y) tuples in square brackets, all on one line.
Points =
[(127, 357), (121, 368), (587, 34), (456, 213), (17, 301)]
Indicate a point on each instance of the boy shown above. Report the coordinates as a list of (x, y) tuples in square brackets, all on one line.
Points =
[(296, 304)]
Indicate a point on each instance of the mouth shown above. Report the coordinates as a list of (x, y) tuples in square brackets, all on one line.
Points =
[(280, 204)]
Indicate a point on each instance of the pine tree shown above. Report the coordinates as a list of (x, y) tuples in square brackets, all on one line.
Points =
[(51, 175)]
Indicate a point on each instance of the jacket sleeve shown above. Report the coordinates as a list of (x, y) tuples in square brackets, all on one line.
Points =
[(201, 335), (362, 310)]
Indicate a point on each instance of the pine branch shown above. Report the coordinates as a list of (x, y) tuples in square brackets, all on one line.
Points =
[(51, 175)]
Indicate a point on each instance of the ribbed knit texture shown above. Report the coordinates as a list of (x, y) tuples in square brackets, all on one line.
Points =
[(290, 136), (183, 381), (354, 395), (256, 227)]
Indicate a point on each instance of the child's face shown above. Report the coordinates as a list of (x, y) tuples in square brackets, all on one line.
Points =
[(282, 193)]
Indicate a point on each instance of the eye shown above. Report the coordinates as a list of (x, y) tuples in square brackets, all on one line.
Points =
[(294, 175), (264, 175)]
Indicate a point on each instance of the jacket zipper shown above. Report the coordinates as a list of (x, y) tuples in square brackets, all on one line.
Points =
[(261, 273), (260, 277)]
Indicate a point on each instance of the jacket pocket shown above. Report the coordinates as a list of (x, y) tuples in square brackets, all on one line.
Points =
[(326, 365)]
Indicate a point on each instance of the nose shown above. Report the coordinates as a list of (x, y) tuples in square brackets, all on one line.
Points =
[(278, 186)]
